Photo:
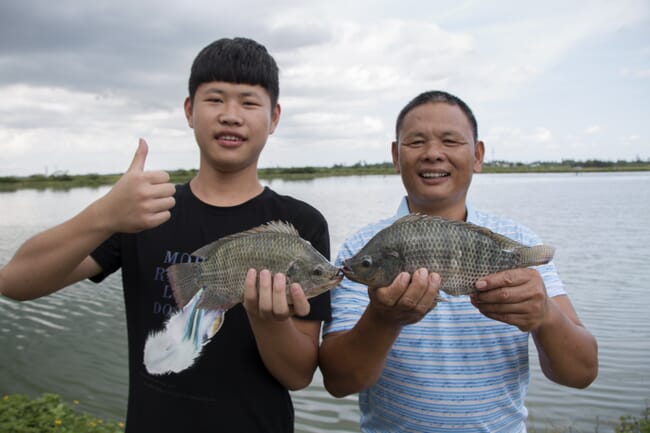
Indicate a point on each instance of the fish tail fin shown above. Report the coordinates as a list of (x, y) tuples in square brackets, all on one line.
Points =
[(179, 344), (182, 280), (536, 255)]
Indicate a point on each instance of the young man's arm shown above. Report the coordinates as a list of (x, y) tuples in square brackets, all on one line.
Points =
[(353, 360), (568, 352), (288, 346), (59, 256)]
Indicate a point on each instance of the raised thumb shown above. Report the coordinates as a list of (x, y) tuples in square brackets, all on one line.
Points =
[(140, 156)]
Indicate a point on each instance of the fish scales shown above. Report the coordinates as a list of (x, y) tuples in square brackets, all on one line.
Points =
[(275, 246), (460, 252)]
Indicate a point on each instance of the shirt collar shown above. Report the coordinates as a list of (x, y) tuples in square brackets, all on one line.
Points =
[(403, 208)]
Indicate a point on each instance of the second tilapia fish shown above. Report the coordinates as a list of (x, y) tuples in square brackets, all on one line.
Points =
[(459, 252), (204, 291)]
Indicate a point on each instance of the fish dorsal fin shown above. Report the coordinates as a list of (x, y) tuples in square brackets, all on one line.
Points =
[(505, 242), (413, 217), (272, 226)]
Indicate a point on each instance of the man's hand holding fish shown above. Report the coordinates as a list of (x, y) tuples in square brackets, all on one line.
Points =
[(406, 300), (516, 296)]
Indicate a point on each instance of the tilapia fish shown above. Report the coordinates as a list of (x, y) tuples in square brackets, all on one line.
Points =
[(204, 291), (459, 252)]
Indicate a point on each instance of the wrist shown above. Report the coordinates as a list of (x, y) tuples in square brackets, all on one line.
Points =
[(549, 316), (99, 218), (379, 320)]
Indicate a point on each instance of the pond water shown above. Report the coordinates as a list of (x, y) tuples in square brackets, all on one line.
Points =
[(74, 342)]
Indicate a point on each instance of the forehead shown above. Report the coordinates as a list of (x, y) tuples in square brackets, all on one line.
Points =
[(436, 116)]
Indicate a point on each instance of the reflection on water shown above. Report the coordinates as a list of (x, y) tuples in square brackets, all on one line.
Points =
[(73, 342)]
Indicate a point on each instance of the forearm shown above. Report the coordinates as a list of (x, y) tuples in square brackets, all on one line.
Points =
[(353, 360), (47, 261), (568, 352), (289, 354)]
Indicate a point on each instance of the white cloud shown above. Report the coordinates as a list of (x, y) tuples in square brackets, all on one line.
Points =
[(382, 57), (78, 87)]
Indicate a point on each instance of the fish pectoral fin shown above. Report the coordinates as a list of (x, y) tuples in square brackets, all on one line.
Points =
[(216, 325)]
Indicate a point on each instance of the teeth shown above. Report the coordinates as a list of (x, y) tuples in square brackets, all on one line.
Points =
[(434, 175), (229, 138)]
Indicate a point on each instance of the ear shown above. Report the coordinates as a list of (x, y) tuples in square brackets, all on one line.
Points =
[(188, 112), (479, 154), (275, 118), (394, 150)]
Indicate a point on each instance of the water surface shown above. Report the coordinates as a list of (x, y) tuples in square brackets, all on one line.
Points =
[(73, 342)]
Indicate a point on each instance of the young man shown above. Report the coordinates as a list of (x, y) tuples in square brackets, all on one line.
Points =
[(144, 224), (461, 365)]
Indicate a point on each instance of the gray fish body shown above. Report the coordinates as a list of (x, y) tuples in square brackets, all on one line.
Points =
[(460, 252), (275, 246)]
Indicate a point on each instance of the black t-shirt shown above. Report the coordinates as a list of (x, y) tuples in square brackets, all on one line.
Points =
[(228, 389)]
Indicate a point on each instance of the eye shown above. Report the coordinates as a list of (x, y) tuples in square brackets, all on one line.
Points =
[(366, 262), (415, 143), (317, 272)]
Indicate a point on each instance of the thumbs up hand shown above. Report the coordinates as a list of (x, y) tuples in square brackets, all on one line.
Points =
[(140, 199)]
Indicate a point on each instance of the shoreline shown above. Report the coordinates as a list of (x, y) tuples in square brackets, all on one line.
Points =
[(64, 181)]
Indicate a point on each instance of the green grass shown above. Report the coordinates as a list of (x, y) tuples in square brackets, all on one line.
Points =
[(49, 414), (632, 424)]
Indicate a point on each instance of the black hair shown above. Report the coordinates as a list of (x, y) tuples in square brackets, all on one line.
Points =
[(432, 97), (237, 60)]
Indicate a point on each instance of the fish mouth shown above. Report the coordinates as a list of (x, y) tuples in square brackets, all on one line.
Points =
[(331, 283), (345, 271)]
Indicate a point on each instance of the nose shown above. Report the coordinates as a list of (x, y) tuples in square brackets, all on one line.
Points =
[(434, 151), (230, 115)]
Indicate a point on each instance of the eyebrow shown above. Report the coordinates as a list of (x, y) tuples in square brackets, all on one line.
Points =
[(244, 94), (452, 134)]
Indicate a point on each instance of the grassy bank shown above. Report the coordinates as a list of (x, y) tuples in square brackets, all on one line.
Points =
[(66, 181), (50, 414)]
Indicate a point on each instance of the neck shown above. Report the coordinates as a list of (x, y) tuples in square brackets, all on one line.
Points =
[(226, 189)]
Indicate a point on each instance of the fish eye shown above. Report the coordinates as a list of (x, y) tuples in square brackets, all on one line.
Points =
[(366, 262), (317, 272)]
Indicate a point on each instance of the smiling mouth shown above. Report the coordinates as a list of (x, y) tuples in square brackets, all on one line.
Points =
[(430, 175), (230, 138)]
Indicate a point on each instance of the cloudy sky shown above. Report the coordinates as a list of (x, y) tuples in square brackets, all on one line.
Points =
[(80, 81)]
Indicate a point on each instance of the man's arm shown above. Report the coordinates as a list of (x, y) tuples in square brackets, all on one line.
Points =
[(59, 256), (568, 352), (288, 345), (353, 360)]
